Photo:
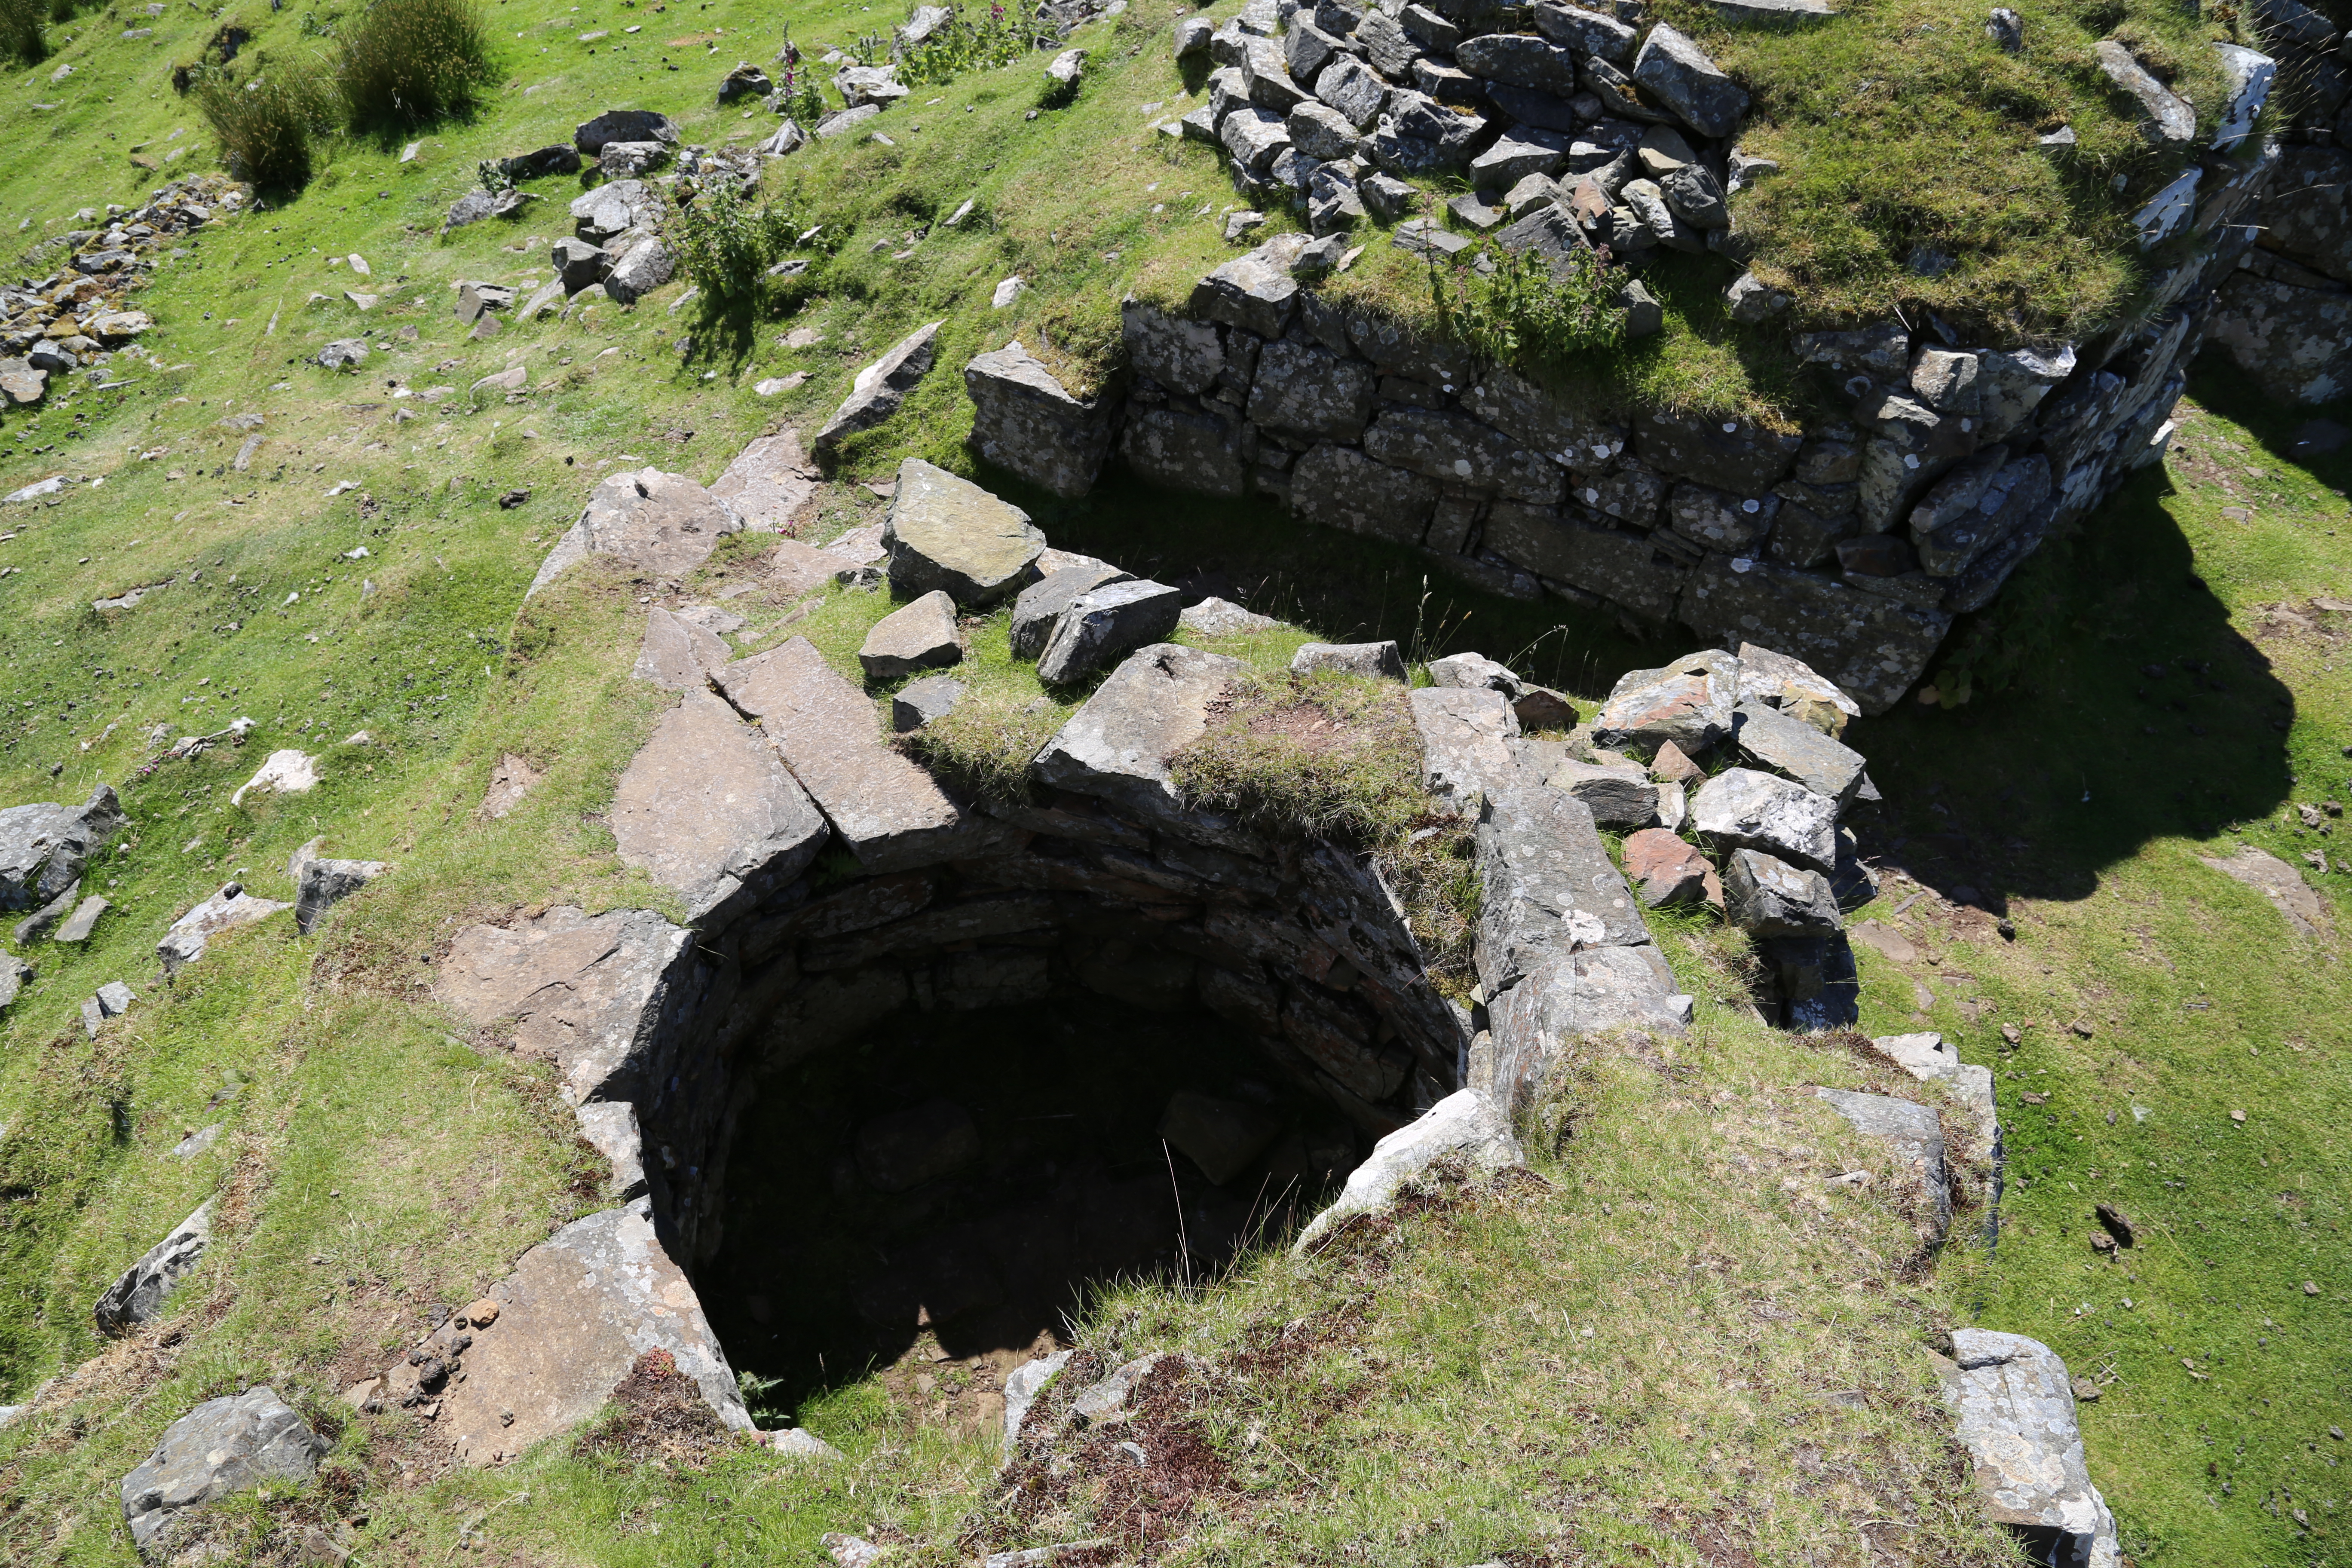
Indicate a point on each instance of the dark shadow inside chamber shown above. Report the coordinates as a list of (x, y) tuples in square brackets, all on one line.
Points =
[(949, 1189)]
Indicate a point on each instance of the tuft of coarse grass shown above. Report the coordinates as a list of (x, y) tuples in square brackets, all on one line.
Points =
[(1321, 753), (21, 34), (267, 124), (409, 62)]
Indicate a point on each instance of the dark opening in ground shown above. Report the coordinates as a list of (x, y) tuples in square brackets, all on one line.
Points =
[(937, 1198)]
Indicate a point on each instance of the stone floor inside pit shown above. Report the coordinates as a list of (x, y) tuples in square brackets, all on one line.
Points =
[(934, 1202)]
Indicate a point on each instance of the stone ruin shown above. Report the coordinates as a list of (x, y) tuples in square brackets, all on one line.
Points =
[(1852, 543)]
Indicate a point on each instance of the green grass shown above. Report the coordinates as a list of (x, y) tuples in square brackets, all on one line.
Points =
[(361, 1132)]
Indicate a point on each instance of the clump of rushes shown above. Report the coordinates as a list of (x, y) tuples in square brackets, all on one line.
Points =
[(264, 125), (406, 62), (20, 28)]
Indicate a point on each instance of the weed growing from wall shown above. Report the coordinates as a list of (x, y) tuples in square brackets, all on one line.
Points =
[(957, 46), (1526, 313), (726, 243)]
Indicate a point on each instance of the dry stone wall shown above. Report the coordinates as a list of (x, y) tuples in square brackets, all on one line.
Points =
[(1852, 543)]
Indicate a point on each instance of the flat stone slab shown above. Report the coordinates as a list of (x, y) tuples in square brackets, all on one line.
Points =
[(320, 882), (1915, 1136), (573, 1317), (769, 483), (889, 813), (665, 523), (222, 1446), (585, 992), (707, 809), (2015, 1408), (1780, 743), (2281, 883), (1619, 796), (137, 1295), (1117, 746), (1744, 808), (1465, 743), (80, 925), (920, 703), (1215, 618), (797, 569), (678, 654), (45, 847), (947, 533), (1564, 998), (1464, 1129), (232, 906), (1546, 885)]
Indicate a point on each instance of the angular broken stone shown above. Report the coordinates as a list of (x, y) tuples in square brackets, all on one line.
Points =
[(222, 1446), (678, 654), (137, 1297), (1931, 1059), (1678, 72), (947, 533), (919, 636), (1618, 796), (2015, 1410), (706, 809), (45, 847), (1041, 604), (1690, 703), (1215, 617), (232, 906), (1664, 869), (881, 387), (80, 925), (1743, 807), (1255, 291), (2164, 118), (1466, 1131), (1465, 743), (1768, 897), (1106, 624), (1786, 745), (320, 883), (1773, 679), (1118, 745), (1915, 1136), (1025, 422), (1376, 661), (890, 814), (926, 702)]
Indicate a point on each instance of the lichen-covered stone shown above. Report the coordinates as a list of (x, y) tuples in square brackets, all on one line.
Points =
[(1027, 423), (946, 532)]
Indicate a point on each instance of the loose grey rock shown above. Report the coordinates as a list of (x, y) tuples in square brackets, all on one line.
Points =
[(1931, 1059), (678, 654), (923, 703), (1796, 749), (881, 387), (1916, 1138), (1681, 77), (623, 125), (1023, 1386), (2015, 1409), (1585, 32), (947, 533), (1353, 89), (2164, 119), (1379, 660), (2006, 28), (918, 636), (14, 976), (1042, 605), (1464, 1130), (79, 925), (1743, 807), (343, 353), (45, 847), (1773, 679), (579, 262), (1255, 291), (137, 1297), (612, 210), (1617, 796), (1215, 618), (1107, 623), (1471, 672), (222, 1446), (1689, 702), (1769, 897), (232, 906), (37, 924), (629, 160), (665, 523), (1516, 59)]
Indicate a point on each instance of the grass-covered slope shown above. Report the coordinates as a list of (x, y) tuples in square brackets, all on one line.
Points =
[(1446, 1406)]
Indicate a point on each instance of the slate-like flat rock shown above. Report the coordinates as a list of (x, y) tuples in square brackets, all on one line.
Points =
[(947, 533), (706, 809), (665, 523)]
